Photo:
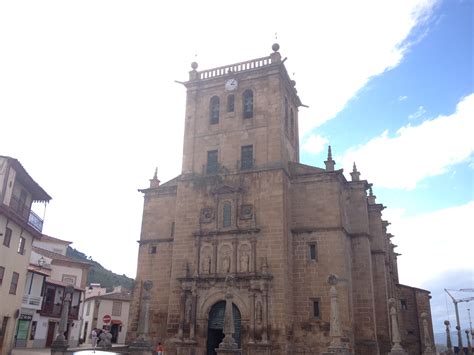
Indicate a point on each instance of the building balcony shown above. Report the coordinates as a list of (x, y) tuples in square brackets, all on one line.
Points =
[(24, 212), (32, 302)]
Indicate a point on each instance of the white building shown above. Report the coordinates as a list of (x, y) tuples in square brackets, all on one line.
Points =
[(115, 304), (19, 226), (49, 272)]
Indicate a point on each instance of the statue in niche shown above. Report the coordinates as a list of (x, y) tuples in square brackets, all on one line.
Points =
[(188, 310), (244, 262), (225, 267), (206, 265), (259, 312)]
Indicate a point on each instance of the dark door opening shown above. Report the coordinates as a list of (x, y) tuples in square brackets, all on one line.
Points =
[(50, 335), (114, 330), (215, 327)]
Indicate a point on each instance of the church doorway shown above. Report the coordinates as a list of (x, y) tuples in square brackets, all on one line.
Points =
[(215, 327)]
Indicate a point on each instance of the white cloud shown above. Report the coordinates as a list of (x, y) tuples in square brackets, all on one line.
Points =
[(402, 98), (315, 144), (441, 241), (416, 152), (419, 113)]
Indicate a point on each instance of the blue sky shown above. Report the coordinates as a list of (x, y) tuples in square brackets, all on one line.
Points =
[(87, 94)]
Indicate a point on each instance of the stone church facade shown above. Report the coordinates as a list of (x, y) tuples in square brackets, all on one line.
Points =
[(244, 206)]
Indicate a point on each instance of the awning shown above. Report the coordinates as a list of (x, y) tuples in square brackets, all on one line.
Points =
[(116, 321)]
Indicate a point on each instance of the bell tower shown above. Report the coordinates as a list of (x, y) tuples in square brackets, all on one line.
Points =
[(242, 116)]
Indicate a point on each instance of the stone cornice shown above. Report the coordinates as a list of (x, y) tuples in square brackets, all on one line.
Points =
[(226, 232), (151, 241)]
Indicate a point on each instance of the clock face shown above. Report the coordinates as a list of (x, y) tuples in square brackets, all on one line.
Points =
[(231, 84)]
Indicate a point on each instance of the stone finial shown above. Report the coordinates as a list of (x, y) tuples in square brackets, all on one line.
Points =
[(355, 174), (154, 182), (275, 56), (194, 65), (449, 344), (371, 197), (193, 74), (397, 348), (329, 162)]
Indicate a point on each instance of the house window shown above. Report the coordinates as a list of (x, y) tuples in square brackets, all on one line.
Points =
[(211, 167), (404, 305), (88, 309), (246, 156), (248, 103), (313, 252), (14, 283), (117, 308), (152, 249), (2, 272), (230, 103), (8, 237), (316, 308), (286, 115), (214, 110), (21, 246), (226, 214)]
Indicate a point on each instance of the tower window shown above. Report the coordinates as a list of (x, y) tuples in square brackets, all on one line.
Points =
[(248, 103), (226, 214), (211, 167), (152, 249), (404, 305), (246, 161), (316, 308), (292, 125), (230, 103), (286, 115), (214, 110), (313, 255), (8, 237)]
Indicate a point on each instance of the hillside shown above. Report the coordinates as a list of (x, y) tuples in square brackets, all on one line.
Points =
[(98, 274)]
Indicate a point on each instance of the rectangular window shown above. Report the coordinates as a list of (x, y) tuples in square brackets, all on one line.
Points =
[(316, 308), (8, 237), (21, 246), (2, 272), (404, 305), (14, 283), (88, 309), (313, 255), (152, 249), (211, 167), (230, 103), (117, 308), (33, 330), (246, 155)]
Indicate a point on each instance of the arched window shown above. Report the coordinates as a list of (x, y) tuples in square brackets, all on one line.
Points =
[(230, 103), (286, 115), (226, 214), (292, 125), (214, 110), (248, 103)]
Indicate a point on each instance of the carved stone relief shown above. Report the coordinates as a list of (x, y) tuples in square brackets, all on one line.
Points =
[(225, 258), (246, 212), (207, 215), (244, 258), (206, 259)]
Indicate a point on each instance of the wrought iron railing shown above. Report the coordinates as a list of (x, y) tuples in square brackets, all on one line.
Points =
[(35, 221)]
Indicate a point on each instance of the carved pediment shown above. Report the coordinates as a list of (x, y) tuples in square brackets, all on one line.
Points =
[(226, 189)]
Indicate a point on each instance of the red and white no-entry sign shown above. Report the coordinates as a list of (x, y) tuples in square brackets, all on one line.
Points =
[(106, 319)]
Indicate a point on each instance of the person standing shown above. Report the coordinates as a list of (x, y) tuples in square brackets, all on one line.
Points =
[(160, 350), (94, 337)]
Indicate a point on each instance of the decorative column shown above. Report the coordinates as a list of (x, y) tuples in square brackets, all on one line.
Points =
[(397, 348), (252, 315), (265, 313), (214, 257), (449, 344), (142, 344), (228, 344), (426, 335), (192, 326), (182, 310), (234, 257), (253, 256), (336, 346), (60, 344)]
